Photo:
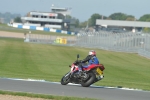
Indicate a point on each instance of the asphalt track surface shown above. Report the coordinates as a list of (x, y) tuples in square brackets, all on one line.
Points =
[(71, 90)]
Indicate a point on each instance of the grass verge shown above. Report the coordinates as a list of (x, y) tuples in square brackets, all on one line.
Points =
[(51, 97)]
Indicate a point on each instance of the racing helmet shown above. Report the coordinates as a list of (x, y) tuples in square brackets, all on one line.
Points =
[(92, 52)]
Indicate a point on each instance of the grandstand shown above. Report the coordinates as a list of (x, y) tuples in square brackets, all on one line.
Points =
[(55, 19)]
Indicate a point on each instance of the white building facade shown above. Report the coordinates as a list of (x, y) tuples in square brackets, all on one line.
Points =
[(54, 19)]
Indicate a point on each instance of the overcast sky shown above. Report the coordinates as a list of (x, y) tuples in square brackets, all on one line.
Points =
[(81, 9)]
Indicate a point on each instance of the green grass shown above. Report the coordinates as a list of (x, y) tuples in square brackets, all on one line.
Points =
[(50, 62), (50, 97)]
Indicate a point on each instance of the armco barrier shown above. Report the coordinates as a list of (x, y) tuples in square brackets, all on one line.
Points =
[(19, 25)]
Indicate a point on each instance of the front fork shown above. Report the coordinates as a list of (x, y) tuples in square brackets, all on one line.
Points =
[(67, 74)]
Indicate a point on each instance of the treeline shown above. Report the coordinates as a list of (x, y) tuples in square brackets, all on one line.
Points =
[(7, 17), (115, 16)]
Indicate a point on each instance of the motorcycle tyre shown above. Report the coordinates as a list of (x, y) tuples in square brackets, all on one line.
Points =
[(66, 82), (90, 81)]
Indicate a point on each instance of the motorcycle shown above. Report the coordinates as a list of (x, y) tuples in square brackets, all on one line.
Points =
[(90, 74)]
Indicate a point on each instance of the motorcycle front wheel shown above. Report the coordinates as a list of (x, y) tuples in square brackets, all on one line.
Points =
[(65, 79)]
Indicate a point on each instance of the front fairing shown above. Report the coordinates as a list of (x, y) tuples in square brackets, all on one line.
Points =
[(74, 68)]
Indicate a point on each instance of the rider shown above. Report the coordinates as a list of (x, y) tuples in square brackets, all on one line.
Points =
[(91, 59)]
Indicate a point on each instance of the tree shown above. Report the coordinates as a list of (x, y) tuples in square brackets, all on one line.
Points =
[(18, 20), (7, 16), (92, 20), (76, 21), (83, 24), (130, 18), (118, 16), (68, 17), (145, 17), (146, 30)]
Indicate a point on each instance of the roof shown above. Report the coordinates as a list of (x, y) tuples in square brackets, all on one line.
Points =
[(122, 23)]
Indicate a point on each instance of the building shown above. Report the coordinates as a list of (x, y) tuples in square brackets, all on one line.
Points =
[(64, 11), (118, 23), (55, 19)]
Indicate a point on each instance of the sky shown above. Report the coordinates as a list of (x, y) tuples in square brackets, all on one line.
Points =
[(81, 9)]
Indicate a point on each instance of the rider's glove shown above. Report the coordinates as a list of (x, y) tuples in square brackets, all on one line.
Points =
[(80, 61), (76, 62)]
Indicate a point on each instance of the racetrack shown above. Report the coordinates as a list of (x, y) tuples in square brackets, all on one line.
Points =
[(51, 88)]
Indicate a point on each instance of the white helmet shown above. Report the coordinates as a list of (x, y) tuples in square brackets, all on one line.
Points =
[(92, 52)]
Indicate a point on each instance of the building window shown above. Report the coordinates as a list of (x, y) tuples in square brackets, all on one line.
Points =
[(52, 17)]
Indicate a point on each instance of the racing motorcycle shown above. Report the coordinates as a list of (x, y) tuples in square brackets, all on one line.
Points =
[(90, 74)]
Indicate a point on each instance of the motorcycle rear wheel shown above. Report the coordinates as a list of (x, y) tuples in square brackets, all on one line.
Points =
[(89, 81), (65, 79)]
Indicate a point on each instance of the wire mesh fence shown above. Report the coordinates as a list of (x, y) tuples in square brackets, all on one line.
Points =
[(120, 42), (48, 39)]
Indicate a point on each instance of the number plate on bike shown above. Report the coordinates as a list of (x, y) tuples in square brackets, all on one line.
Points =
[(99, 71)]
